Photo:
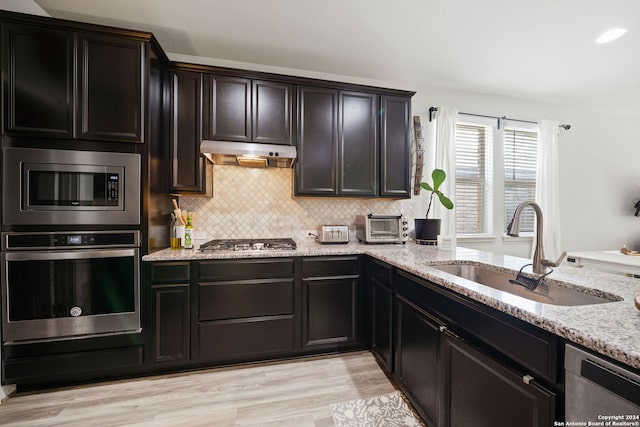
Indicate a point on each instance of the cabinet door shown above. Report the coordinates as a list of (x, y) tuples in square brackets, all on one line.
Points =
[(358, 144), (39, 73), (330, 312), (381, 322), (111, 88), (317, 141), (479, 391), (187, 164), (229, 102), (417, 359), (170, 322), (394, 147), (272, 110)]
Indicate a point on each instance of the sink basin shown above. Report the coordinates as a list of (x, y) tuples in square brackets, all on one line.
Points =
[(546, 293)]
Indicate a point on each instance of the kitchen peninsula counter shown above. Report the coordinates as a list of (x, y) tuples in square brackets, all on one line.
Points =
[(611, 329)]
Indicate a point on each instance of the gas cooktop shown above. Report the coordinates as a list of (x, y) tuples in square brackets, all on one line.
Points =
[(247, 245)]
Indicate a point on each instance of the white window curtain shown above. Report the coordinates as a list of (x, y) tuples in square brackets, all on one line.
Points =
[(547, 187), (445, 159)]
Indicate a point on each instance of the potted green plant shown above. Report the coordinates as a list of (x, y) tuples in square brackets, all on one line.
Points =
[(427, 229)]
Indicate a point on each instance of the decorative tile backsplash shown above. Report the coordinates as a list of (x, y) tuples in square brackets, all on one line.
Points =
[(249, 203)]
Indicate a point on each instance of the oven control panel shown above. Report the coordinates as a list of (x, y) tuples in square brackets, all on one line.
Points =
[(66, 240)]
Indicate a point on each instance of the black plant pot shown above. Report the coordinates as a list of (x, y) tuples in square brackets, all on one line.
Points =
[(427, 230)]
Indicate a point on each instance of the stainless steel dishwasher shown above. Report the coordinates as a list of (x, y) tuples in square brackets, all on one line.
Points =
[(597, 390)]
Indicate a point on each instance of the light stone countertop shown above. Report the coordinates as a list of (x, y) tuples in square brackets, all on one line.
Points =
[(612, 329)]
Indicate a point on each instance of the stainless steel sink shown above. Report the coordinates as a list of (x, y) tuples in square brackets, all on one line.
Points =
[(546, 293)]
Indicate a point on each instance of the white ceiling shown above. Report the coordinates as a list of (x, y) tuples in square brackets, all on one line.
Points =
[(538, 50)]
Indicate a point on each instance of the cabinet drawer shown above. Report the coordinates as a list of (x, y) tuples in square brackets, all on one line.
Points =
[(523, 343), (73, 366), (330, 266), (247, 298), (170, 272), (530, 347), (255, 337), (245, 269)]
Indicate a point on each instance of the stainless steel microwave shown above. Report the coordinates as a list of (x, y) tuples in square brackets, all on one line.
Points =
[(60, 187), (382, 228)]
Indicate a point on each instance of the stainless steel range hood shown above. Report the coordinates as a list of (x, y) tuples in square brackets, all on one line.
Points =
[(249, 154)]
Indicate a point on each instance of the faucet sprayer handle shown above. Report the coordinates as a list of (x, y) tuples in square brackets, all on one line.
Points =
[(548, 263)]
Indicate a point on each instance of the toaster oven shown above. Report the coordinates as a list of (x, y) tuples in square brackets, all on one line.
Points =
[(382, 228)]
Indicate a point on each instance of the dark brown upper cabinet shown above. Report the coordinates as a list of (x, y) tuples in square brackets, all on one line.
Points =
[(315, 173), (247, 110), (39, 72), (111, 95), (188, 166), (68, 84), (394, 147), (272, 112), (352, 144), (229, 101), (357, 144)]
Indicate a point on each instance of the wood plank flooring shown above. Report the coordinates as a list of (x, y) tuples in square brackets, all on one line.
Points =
[(293, 393)]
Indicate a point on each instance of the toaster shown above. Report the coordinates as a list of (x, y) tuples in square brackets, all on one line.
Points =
[(333, 234)]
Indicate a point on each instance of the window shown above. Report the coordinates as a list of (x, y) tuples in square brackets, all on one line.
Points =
[(495, 172), (473, 173), (520, 154)]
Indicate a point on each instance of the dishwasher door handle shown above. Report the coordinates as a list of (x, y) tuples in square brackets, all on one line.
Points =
[(607, 378)]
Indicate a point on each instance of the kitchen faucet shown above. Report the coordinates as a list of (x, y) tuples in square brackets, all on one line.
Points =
[(540, 264)]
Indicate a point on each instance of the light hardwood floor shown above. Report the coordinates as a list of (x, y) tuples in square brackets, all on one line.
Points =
[(293, 393)]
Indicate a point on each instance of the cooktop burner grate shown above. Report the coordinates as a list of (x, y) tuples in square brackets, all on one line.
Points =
[(247, 245)]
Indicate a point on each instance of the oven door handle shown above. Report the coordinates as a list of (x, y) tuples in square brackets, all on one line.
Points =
[(79, 254)]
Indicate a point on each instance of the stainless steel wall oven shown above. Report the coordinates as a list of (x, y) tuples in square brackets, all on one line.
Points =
[(57, 285)]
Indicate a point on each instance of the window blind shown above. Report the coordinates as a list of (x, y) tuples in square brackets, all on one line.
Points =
[(520, 154), (472, 174)]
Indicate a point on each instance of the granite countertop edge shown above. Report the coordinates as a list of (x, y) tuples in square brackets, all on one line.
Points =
[(611, 329)]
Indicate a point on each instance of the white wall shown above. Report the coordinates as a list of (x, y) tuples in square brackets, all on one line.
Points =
[(600, 180)]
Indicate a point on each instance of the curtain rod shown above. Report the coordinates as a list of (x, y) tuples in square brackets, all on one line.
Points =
[(505, 118)]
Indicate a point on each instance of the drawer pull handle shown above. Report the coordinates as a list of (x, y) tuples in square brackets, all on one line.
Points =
[(527, 379)]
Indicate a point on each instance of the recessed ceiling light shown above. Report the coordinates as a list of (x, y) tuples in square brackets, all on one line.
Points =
[(611, 35)]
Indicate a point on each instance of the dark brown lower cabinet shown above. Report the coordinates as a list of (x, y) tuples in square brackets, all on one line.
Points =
[(54, 363), (481, 392), (330, 302), (170, 322), (330, 311), (417, 365), (454, 359), (170, 310), (240, 319), (246, 338), (381, 322), (246, 309)]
